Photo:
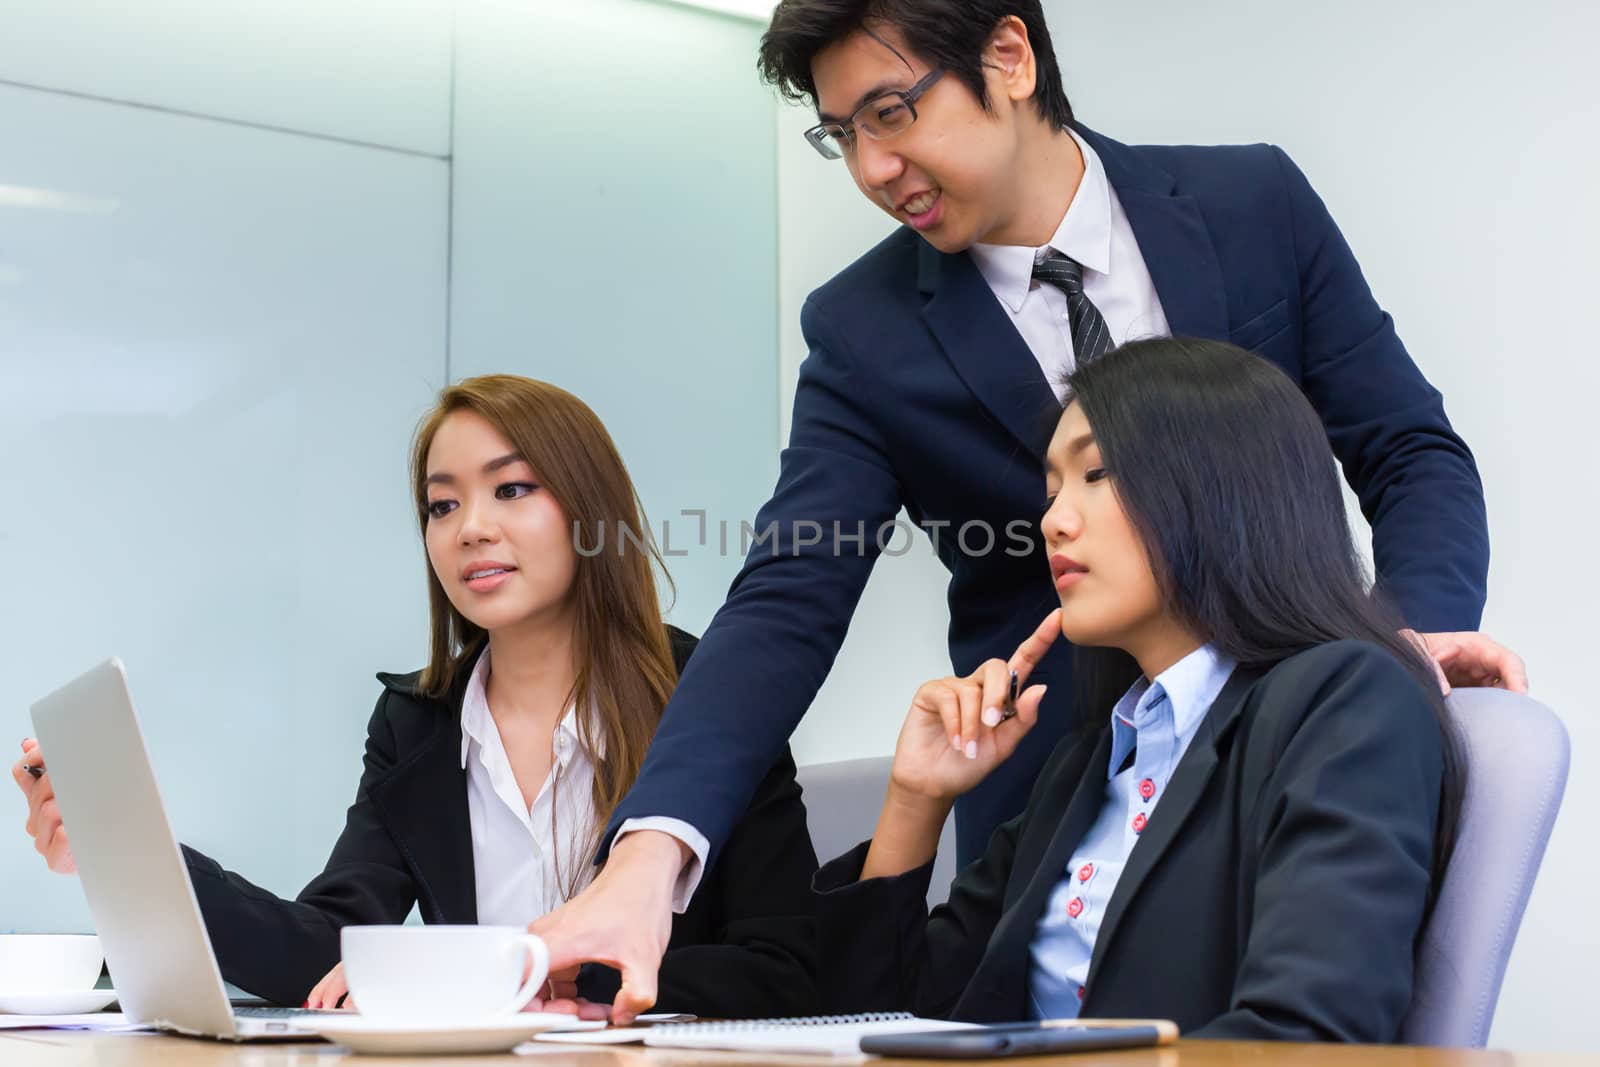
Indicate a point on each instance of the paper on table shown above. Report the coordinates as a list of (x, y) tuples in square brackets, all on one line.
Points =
[(834, 1035), (620, 1035), (100, 1020)]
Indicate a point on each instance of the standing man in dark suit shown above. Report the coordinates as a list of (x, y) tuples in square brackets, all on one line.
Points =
[(1030, 244)]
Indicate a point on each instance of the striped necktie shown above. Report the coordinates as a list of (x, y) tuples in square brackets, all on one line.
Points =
[(1090, 338)]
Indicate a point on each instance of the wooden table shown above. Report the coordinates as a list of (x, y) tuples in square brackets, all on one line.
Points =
[(59, 1048)]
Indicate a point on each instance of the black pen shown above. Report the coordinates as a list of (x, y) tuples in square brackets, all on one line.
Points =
[(36, 770), (1010, 701)]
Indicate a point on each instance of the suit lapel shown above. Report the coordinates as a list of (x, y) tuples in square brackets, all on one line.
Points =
[(1042, 853), (985, 348), (424, 805), (1046, 854), (1188, 784), (1173, 240)]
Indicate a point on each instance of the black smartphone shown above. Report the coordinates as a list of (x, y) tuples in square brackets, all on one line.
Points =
[(982, 1043)]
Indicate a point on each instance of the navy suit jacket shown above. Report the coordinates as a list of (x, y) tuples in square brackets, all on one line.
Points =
[(918, 393)]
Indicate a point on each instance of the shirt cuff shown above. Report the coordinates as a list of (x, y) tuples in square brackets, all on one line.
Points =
[(693, 868)]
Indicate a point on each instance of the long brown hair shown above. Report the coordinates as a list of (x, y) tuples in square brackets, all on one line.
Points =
[(624, 662)]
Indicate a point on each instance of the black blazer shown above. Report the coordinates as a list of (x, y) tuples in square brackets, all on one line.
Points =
[(745, 946), (1277, 891)]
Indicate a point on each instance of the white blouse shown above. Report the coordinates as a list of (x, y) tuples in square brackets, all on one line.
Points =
[(529, 861)]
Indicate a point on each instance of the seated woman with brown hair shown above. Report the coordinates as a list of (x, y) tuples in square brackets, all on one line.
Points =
[(490, 773)]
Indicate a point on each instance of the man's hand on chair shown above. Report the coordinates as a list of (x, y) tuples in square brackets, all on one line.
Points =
[(1471, 660)]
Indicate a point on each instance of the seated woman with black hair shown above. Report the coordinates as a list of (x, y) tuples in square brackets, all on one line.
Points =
[(1247, 833)]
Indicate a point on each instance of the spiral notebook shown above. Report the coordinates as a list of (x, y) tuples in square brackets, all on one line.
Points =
[(830, 1035)]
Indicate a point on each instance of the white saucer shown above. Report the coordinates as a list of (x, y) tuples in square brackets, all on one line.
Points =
[(80, 1002), (361, 1033)]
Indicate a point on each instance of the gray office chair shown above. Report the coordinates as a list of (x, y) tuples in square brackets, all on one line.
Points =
[(842, 804), (1517, 754)]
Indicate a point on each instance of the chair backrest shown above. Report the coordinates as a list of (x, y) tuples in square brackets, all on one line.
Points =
[(842, 804), (1517, 754)]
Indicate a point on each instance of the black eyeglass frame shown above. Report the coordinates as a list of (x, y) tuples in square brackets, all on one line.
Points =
[(822, 135)]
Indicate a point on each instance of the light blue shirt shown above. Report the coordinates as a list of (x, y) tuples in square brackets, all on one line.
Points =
[(1156, 721)]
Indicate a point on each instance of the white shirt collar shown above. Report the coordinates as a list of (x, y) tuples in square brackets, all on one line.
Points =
[(477, 722), (1084, 234)]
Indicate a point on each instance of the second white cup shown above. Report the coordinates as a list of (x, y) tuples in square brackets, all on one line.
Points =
[(444, 973), (49, 963)]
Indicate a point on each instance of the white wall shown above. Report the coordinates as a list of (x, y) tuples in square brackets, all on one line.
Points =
[(214, 340), (241, 247), (1450, 143), (375, 74), (621, 241)]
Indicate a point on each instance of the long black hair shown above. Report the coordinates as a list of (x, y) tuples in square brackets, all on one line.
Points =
[(1223, 470)]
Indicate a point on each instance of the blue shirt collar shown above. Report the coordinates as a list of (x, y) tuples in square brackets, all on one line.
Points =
[(1188, 688)]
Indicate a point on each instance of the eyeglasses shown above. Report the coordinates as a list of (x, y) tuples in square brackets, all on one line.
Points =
[(879, 118)]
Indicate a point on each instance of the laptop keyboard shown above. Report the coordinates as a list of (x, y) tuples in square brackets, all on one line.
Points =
[(270, 1012)]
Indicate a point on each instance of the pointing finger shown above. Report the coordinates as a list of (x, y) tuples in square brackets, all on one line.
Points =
[(1029, 654)]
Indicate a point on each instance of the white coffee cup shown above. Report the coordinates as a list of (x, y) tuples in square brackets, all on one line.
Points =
[(49, 963), (447, 973)]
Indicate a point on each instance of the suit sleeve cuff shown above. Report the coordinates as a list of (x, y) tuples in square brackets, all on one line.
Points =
[(840, 880), (693, 868)]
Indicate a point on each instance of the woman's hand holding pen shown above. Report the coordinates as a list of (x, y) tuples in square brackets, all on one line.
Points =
[(44, 816), (960, 729), (957, 731)]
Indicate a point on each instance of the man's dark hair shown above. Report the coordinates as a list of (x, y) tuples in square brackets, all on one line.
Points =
[(949, 34)]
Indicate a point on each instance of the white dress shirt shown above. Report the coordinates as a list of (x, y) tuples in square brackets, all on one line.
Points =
[(1096, 233), (527, 861), (1156, 721)]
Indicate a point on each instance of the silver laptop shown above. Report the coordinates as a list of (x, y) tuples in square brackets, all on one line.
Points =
[(133, 873)]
